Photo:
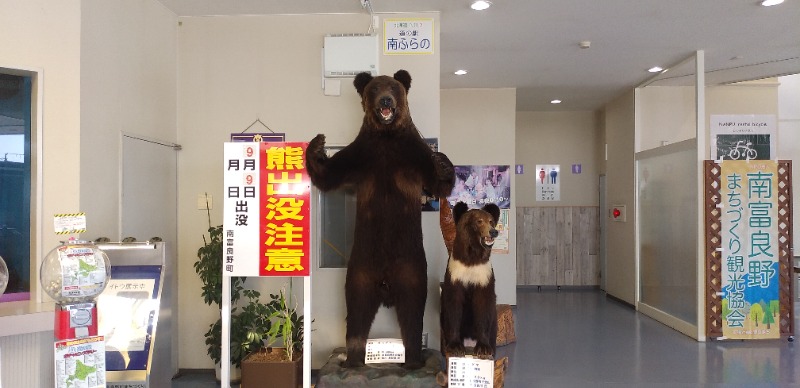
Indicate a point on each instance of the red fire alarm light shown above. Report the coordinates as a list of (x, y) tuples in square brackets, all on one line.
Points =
[(618, 213)]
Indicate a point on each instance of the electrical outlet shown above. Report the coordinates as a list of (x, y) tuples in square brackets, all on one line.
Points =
[(424, 340)]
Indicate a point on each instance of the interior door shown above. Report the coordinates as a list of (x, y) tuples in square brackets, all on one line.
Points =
[(148, 203), (603, 225)]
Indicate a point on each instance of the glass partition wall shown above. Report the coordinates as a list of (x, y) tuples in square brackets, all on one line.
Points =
[(668, 199)]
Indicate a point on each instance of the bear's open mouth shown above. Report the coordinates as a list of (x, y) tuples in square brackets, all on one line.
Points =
[(487, 241), (386, 114)]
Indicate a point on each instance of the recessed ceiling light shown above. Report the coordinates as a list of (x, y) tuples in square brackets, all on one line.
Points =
[(655, 69), (480, 5), (460, 72), (770, 3), (555, 101)]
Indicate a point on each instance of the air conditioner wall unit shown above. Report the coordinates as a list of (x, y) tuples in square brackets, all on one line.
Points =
[(348, 55)]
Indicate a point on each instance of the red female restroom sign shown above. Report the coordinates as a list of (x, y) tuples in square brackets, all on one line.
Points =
[(267, 206)]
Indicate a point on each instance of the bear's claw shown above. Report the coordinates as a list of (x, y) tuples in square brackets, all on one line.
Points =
[(316, 149)]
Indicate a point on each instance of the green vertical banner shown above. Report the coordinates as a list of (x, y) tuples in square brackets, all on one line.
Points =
[(750, 303)]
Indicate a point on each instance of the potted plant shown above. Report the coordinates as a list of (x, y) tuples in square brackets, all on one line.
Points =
[(282, 367), (253, 316)]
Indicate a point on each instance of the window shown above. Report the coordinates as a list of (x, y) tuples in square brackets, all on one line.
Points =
[(337, 223), (338, 208), (15, 182)]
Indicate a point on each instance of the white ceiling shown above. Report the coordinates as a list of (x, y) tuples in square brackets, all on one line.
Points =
[(533, 45)]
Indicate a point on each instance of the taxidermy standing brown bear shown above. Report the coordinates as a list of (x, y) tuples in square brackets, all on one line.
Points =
[(469, 303), (389, 164)]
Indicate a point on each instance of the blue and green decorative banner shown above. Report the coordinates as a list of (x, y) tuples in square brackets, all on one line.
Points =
[(750, 301)]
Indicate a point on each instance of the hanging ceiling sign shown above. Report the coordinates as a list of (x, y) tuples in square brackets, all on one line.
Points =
[(408, 36), (267, 229)]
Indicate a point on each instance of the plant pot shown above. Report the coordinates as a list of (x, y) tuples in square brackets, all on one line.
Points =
[(236, 373), (262, 366)]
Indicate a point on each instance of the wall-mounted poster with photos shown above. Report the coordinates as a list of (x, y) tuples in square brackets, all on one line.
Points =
[(478, 186)]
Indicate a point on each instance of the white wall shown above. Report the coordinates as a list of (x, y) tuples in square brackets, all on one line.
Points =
[(620, 188), (44, 36), (667, 114), (478, 128), (563, 138), (234, 70), (128, 84), (789, 139)]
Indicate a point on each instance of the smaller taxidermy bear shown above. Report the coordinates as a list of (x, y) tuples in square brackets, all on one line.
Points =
[(468, 297)]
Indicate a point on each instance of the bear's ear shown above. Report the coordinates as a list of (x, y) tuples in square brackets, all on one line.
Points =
[(361, 81), (404, 78), (459, 210), (493, 210)]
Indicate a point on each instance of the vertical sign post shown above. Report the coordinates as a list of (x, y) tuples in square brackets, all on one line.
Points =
[(267, 225), (749, 219)]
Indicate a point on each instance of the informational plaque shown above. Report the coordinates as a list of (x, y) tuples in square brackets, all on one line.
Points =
[(470, 373), (385, 350)]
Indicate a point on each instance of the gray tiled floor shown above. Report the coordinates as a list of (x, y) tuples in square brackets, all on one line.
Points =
[(584, 339)]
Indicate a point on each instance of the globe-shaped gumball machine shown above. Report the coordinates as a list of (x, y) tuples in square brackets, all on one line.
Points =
[(74, 274), (3, 275)]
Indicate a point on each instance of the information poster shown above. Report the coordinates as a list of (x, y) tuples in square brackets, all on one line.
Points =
[(128, 314), (478, 186), (408, 36), (501, 241), (750, 304), (83, 273), (548, 182), (267, 210), (80, 363), (743, 137), (127, 308)]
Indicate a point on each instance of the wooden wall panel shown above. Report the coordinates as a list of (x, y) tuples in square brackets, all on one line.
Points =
[(558, 246), (524, 242)]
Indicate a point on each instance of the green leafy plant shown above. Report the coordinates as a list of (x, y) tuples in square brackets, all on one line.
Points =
[(286, 324), (252, 322), (252, 317)]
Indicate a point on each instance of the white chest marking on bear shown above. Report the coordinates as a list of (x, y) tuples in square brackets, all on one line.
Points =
[(477, 275)]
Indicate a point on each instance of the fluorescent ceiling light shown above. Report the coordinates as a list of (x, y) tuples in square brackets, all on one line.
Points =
[(555, 101), (770, 3), (460, 72), (655, 69), (480, 5)]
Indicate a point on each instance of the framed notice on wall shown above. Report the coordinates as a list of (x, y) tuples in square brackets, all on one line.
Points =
[(408, 36), (743, 137), (548, 182)]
